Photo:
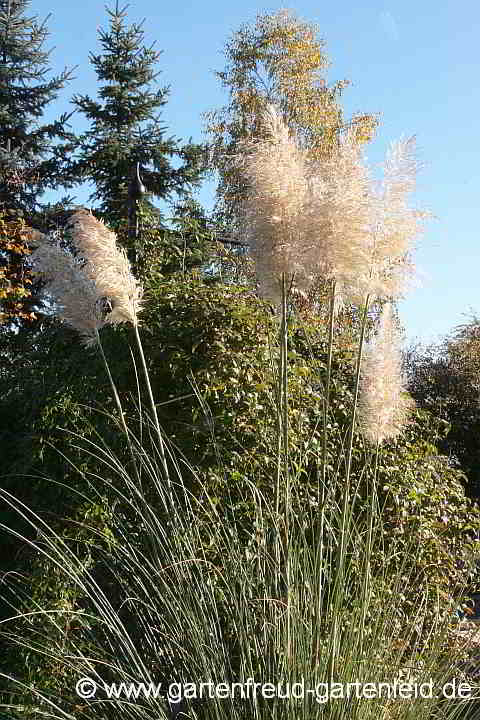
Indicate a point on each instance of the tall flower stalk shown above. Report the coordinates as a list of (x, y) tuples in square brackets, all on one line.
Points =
[(110, 267), (94, 288), (71, 282), (276, 172), (305, 217)]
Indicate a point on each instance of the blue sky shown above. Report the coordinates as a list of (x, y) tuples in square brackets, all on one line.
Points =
[(415, 63)]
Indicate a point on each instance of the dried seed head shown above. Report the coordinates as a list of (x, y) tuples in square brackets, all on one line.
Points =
[(365, 235), (384, 406), (95, 287), (275, 171), (311, 216), (395, 225), (107, 266), (75, 294), (340, 215)]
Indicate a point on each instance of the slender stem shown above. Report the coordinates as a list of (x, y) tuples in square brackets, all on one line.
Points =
[(279, 423), (322, 492), (346, 492), (286, 470), (279, 401), (339, 585), (161, 446), (319, 567), (326, 402), (285, 401), (368, 552), (119, 406)]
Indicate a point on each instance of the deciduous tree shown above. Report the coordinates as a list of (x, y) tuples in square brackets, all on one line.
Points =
[(445, 380), (275, 60)]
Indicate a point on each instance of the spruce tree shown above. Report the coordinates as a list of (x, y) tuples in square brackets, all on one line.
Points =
[(31, 157), (125, 152)]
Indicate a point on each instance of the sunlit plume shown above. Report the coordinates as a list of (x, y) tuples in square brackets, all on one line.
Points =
[(273, 212), (77, 299), (339, 216), (384, 406), (396, 225), (107, 266)]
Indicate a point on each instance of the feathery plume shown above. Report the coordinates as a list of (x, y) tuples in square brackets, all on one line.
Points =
[(362, 237), (274, 169), (365, 235), (107, 266), (307, 216), (395, 226), (99, 277), (383, 407), (339, 215), (78, 300)]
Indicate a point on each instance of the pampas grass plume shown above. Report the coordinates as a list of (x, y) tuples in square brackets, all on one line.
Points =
[(78, 301), (275, 172), (107, 266), (309, 216), (82, 285), (396, 225), (339, 217), (384, 406)]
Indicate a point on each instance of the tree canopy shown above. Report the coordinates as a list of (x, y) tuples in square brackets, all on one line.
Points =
[(275, 60), (33, 155), (445, 380)]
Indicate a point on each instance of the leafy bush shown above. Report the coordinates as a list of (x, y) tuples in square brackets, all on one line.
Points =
[(212, 358), (444, 380)]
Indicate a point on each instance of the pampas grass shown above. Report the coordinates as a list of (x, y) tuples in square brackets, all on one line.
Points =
[(95, 288), (396, 225), (384, 405), (273, 211), (77, 298), (107, 266), (178, 593), (340, 216), (307, 216)]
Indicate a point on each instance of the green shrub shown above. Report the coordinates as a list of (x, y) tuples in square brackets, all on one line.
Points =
[(211, 354)]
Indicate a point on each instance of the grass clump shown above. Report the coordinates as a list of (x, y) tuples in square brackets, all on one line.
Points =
[(185, 570)]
